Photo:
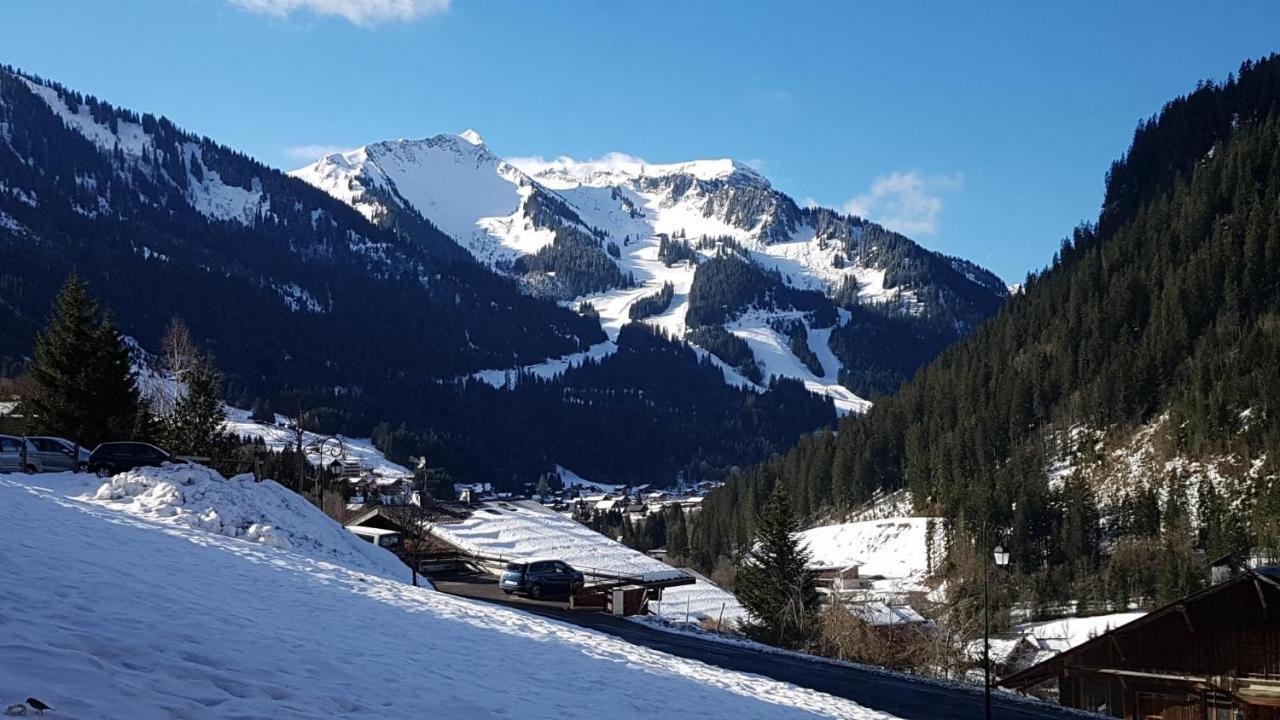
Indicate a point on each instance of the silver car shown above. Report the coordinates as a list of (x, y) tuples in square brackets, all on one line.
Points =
[(59, 454), (18, 455)]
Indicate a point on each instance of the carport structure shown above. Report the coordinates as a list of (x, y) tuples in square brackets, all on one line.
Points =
[(494, 534), (600, 590)]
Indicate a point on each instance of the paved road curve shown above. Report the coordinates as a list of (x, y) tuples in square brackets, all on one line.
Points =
[(912, 699)]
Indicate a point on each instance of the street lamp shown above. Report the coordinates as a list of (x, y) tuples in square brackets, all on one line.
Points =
[(1001, 557)]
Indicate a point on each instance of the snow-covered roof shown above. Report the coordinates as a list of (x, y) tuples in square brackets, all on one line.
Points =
[(374, 531), (881, 614), (527, 529), (842, 567)]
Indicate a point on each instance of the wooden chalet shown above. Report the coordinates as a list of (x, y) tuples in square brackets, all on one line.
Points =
[(1213, 655)]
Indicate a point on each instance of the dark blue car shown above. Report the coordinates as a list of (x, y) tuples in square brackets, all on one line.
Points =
[(537, 578)]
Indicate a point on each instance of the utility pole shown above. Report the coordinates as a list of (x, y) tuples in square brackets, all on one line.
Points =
[(986, 620)]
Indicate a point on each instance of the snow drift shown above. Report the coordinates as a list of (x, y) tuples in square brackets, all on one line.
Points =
[(264, 512)]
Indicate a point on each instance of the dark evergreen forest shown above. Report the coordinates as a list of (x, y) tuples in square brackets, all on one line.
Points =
[(1169, 304)]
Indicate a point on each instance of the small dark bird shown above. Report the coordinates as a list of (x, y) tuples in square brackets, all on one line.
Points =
[(39, 706)]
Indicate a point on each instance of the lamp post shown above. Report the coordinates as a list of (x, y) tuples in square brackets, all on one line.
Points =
[(1001, 556)]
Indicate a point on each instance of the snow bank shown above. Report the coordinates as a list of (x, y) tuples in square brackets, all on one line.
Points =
[(265, 513), (526, 529), (133, 616)]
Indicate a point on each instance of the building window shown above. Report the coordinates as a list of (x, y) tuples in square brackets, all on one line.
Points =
[(1218, 706)]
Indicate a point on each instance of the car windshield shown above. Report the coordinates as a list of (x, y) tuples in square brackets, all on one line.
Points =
[(517, 568)]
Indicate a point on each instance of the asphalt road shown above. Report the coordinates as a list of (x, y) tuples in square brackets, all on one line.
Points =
[(912, 699)]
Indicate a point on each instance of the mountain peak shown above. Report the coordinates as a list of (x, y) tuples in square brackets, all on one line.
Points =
[(471, 136)]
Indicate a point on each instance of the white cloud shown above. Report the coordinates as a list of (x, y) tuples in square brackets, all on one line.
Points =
[(310, 153), (534, 164), (908, 202), (361, 12)]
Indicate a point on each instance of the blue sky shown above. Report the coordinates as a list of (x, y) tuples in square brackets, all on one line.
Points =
[(982, 131)]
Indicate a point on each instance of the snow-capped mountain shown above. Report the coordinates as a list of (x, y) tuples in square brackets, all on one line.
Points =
[(164, 223), (611, 233)]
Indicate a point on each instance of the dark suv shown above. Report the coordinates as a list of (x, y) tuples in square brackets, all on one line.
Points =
[(536, 578), (116, 457)]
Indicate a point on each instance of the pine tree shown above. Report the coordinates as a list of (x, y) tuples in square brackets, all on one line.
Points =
[(774, 582), (196, 426), (193, 419), (1178, 572), (677, 534), (87, 389), (262, 412)]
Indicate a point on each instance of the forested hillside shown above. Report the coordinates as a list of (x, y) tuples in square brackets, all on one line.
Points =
[(363, 324), (1160, 324)]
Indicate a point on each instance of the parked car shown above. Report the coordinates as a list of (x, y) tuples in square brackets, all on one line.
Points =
[(58, 454), (18, 455), (536, 578), (116, 457)]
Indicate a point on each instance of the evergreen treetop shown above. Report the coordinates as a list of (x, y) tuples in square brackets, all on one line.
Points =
[(87, 391)]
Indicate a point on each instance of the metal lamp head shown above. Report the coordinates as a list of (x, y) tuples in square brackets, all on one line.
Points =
[(1001, 555)]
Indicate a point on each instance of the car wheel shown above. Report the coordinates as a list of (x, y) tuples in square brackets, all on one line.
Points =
[(535, 592), (506, 592), (31, 470), (103, 472)]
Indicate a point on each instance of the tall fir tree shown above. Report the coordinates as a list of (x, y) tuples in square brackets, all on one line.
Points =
[(774, 581), (197, 425), (193, 419), (87, 391)]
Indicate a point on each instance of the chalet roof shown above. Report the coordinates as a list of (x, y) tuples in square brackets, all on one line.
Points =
[(842, 567), (1047, 669)]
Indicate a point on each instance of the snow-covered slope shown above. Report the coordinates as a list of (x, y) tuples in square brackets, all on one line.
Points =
[(895, 549), (452, 180), (278, 436), (205, 189), (127, 615), (527, 529), (1066, 633), (504, 210)]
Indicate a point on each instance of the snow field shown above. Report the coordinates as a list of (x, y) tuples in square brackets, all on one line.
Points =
[(895, 548), (127, 615)]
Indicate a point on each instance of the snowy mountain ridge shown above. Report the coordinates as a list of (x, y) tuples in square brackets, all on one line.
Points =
[(611, 232), (616, 168)]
